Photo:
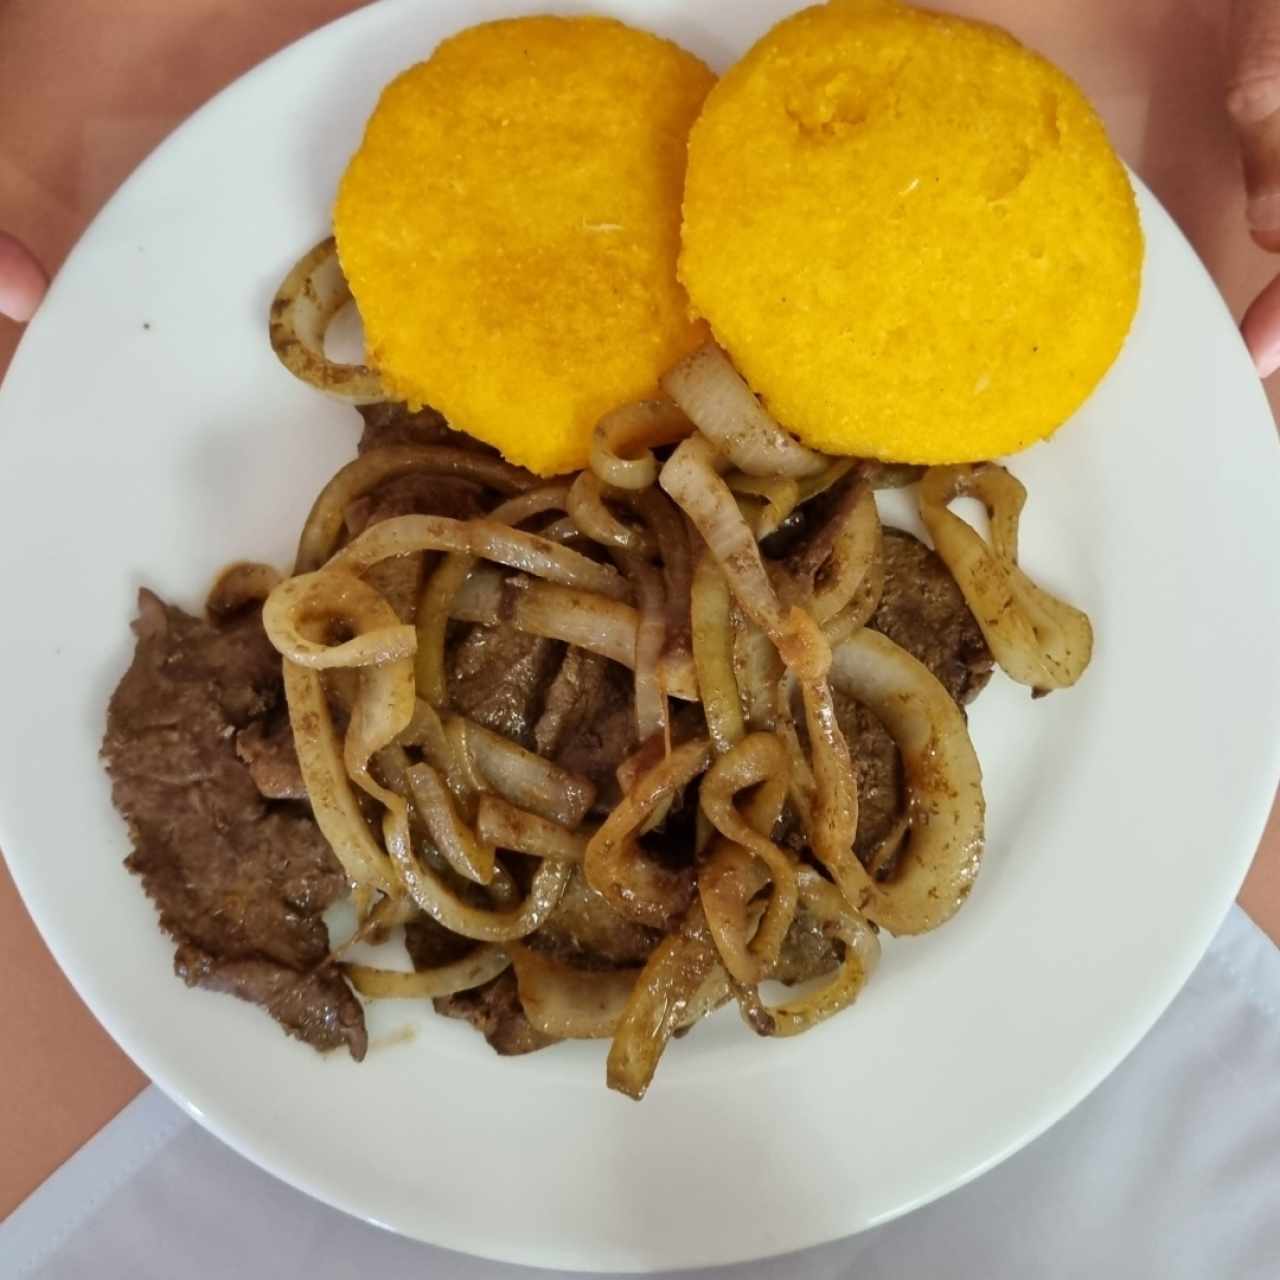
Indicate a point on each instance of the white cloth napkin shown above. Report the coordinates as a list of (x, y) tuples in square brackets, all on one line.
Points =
[(1171, 1169)]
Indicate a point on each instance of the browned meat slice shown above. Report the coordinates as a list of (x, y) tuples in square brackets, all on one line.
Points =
[(400, 579), (494, 1010), (806, 951), (569, 698), (267, 751), (240, 885), (394, 423), (600, 733), (879, 766), (416, 494), (317, 1006), (923, 611), (431, 945), (498, 677), (586, 931)]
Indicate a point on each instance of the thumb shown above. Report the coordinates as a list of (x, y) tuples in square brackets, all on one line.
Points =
[(22, 280), (1253, 99)]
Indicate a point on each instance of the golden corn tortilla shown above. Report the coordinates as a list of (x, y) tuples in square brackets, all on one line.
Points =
[(910, 233), (509, 228)]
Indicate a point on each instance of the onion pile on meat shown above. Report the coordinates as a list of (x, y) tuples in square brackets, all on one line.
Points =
[(614, 749)]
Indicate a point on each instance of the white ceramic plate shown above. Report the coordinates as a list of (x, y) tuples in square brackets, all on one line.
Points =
[(147, 435)]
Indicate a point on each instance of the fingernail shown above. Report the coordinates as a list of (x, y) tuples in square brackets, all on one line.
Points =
[(1263, 212), (1267, 362), (1254, 100)]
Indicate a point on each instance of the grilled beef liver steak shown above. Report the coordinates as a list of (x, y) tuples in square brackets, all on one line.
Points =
[(240, 883), (924, 612)]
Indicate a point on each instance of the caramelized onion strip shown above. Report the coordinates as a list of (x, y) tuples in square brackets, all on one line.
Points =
[(502, 824), (779, 494), (670, 535), (633, 884), (861, 955), (308, 299), (468, 854), (473, 970), (238, 586), (691, 477), (430, 891), (333, 801), (938, 866), (525, 779), (569, 1003), (758, 761), (586, 504), (1037, 639), (709, 389), (605, 627), (323, 528), (652, 716), (622, 442), (432, 619), (665, 997), (300, 607), (713, 654), (485, 539)]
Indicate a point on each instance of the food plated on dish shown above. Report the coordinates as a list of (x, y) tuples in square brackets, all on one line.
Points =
[(596, 673)]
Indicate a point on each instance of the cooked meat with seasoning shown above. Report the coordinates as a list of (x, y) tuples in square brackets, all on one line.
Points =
[(923, 610), (495, 1011), (577, 768), (240, 883), (498, 676), (266, 748)]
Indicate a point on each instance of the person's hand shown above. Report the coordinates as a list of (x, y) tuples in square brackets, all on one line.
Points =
[(22, 280), (1253, 99)]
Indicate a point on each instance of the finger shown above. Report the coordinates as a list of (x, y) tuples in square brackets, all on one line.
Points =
[(1261, 329), (22, 280), (1253, 99)]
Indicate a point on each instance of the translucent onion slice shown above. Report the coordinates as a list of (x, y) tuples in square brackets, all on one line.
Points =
[(522, 777), (469, 855), (622, 442), (432, 620), (606, 627), (1036, 638), (708, 388), (692, 478), (587, 506), (473, 970), (324, 524), (569, 1003), (299, 607), (615, 865), (652, 716), (294, 613), (434, 896), (308, 299), (504, 825), (759, 760), (861, 956), (486, 540), (333, 800), (238, 586), (779, 494), (667, 995), (670, 535), (838, 561), (943, 780), (713, 654)]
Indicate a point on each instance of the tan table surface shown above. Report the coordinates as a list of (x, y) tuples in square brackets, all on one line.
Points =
[(88, 87)]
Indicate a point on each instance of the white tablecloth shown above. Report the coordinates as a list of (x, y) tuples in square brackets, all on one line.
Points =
[(1171, 1169)]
